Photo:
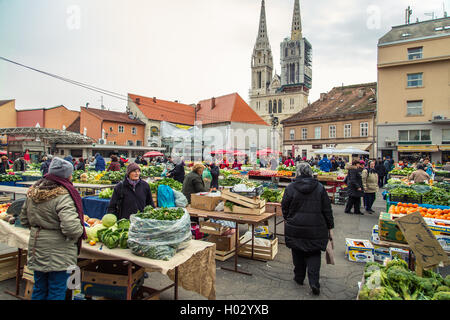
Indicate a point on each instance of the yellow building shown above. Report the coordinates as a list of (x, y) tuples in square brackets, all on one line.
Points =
[(8, 118), (413, 118)]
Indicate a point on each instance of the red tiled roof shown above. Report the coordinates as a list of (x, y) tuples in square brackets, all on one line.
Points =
[(112, 116), (340, 102), (163, 110), (228, 108)]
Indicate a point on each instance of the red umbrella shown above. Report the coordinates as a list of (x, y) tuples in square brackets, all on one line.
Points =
[(221, 151), (238, 153), (3, 153), (151, 154), (266, 152)]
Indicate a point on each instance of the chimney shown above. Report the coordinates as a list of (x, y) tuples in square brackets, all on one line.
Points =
[(361, 93), (154, 99), (213, 103), (323, 96), (198, 107), (138, 101)]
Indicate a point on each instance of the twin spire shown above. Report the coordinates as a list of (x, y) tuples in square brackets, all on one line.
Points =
[(296, 31)]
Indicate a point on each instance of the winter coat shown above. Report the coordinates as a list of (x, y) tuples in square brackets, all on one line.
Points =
[(289, 162), (325, 165), (100, 164), (354, 181), (44, 167), (380, 169), (215, 172), (19, 165), (178, 173), (387, 166), (55, 226), (114, 166), (306, 208), (134, 199), (419, 176), (193, 183), (81, 166), (370, 181), (3, 167)]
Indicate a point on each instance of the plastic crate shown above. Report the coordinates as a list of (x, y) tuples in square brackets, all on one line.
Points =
[(255, 193)]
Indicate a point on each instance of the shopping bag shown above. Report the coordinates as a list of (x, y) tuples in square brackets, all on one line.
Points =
[(329, 253)]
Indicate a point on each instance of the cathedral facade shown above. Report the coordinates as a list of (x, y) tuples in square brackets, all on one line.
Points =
[(281, 96)]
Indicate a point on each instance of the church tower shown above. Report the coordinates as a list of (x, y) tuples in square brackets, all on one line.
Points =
[(262, 61)]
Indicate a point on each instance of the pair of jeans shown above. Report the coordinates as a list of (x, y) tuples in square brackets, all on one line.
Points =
[(353, 202), (50, 285), (369, 200), (307, 262)]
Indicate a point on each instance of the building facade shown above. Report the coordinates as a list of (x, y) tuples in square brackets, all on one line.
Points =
[(281, 96), (414, 91), (342, 118)]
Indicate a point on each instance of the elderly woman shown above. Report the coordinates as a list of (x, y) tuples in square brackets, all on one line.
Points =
[(309, 220), (54, 212), (370, 185), (193, 182), (419, 175), (130, 195)]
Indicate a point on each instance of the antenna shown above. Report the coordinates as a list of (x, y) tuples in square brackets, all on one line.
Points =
[(408, 13), (443, 9), (431, 14)]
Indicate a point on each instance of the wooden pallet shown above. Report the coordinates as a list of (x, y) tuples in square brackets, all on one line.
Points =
[(247, 202), (8, 265), (260, 252)]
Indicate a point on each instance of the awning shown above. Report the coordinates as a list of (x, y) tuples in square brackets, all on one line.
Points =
[(418, 148), (361, 146), (444, 148)]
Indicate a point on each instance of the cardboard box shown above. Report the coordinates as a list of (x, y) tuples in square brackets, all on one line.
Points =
[(388, 229), (399, 253), (359, 250), (213, 228), (109, 279), (375, 235), (381, 253), (204, 201), (223, 243)]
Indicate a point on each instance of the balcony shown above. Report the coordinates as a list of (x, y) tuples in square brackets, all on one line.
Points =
[(441, 117)]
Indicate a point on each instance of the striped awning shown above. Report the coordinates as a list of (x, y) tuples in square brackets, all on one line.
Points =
[(418, 148), (444, 148)]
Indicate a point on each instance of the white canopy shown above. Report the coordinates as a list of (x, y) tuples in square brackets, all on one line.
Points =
[(351, 150), (325, 151)]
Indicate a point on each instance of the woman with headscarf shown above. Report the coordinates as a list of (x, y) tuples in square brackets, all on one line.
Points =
[(309, 220), (130, 195), (54, 212), (370, 185)]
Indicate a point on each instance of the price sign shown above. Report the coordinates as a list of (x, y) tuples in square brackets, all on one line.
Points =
[(423, 243)]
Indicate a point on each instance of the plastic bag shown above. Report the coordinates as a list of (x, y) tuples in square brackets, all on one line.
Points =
[(207, 174), (180, 199), (159, 239), (166, 198)]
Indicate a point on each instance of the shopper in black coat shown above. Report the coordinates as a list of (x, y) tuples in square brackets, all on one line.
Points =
[(355, 187), (178, 172), (381, 170), (130, 195), (215, 172), (309, 218)]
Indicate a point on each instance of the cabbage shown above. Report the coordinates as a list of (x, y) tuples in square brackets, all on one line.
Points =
[(123, 224), (109, 220), (92, 232)]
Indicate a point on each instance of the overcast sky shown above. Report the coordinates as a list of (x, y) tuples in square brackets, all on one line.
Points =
[(185, 50)]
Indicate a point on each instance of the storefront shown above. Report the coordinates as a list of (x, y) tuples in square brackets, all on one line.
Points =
[(445, 153), (416, 152)]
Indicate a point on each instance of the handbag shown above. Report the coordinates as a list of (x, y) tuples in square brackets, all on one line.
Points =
[(329, 255)]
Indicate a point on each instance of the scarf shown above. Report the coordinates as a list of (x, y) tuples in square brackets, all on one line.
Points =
[(133, 182), (75, 197)]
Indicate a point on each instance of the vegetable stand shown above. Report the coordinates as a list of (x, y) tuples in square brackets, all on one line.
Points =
[(184, 265), (14, 190), (238, 219)]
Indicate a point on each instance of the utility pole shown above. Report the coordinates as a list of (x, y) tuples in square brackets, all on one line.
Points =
[(408, 13)]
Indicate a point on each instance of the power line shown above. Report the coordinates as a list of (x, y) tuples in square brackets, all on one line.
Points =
[(114, 94)]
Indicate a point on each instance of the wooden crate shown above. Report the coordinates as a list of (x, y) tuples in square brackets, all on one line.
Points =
[(5, 199), (260, 252), (224, 255), (8, 265), (241, 210), (212, 228), (253, 203)]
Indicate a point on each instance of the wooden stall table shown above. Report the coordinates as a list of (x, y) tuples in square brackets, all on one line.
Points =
[(14, 190), (238, 219), (186, 268), (77, 185)]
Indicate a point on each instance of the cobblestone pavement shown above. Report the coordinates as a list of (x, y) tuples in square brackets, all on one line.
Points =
[(272, 280)]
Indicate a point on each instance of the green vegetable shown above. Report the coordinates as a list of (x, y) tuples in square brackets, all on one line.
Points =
[(106, 193), (111, 239), (230, 181), (396, 262), (92, 233), (441, 296), (161, 213), (272, 195), (123, 239), (400, 280), (175, 185), (123, 224), (109, 220)]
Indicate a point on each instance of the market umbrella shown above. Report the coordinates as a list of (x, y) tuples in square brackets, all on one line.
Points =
[(239, 153), (325, 151), (3, 153), (266, 152), (351, 150), (221, 151), (151, 154)]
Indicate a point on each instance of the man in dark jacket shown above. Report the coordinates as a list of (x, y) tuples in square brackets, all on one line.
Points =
[(355, 187), (381, 170), (309, 218), (215, 172), (130, 195), (178, 172), (46, 165)]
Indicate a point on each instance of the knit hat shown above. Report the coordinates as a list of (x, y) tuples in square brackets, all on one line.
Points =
[(60, 168), (133, 166)]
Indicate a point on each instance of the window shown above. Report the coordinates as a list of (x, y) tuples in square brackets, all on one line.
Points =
[(292, 134), (332, 131), (130, 143), (134, 130), (364, 129), (414, 108), (317, 132), (347, 130), (414, 136), (292, 101), (270, 106), (280, 108), (138, 143), (121, 129), (414, 80), (274, 106), (446, 136), (304, 133), (415, 53)]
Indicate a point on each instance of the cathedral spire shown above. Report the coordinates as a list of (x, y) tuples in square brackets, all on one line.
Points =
[(262, 32), (296, 33)]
